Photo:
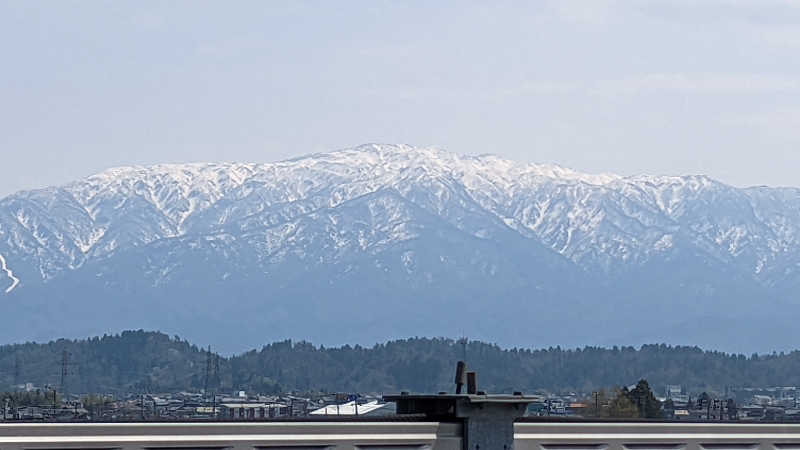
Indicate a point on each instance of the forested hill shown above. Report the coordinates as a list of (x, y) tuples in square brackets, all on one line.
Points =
[(139, 361)]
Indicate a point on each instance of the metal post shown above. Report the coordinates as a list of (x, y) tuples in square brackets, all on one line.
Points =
[(461, 375), (472, 383)]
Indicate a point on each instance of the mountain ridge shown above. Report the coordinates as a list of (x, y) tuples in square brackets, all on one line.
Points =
[(549, 239)]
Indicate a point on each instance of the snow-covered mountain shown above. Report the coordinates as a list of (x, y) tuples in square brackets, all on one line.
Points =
[(379, 241)]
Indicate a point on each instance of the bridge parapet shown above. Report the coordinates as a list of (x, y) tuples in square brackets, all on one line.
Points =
[(655, 436), (312, 435), (395, 435)]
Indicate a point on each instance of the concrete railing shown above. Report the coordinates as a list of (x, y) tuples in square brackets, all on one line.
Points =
[(395, 435), (346, 435), (655, 436)]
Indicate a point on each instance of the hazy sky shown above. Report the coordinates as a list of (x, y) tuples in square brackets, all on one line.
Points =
[(689, 86)]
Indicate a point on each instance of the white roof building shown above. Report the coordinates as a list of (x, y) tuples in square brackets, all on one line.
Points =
[(349, 409)]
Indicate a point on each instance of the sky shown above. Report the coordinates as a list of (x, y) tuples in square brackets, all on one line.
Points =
[(658, 87)]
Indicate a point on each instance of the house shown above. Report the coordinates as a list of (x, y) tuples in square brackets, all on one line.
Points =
[(252, 411), (351, 409), (681, 414)]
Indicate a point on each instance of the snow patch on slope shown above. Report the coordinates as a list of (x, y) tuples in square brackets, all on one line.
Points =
[(9, 273)]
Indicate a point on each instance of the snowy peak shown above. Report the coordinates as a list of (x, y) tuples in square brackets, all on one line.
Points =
[(371, 161), (399, 158), (600, 222)]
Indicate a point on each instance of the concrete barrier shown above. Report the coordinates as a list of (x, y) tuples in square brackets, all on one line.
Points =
[(234, 436), (394, 435), (655, 436)]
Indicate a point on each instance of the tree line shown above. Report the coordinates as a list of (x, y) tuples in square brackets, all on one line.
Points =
[(142, 361)]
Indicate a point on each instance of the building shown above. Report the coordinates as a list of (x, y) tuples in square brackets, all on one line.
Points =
[(252, 411), (352, 409)]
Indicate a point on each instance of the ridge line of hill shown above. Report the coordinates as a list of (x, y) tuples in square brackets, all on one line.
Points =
[(146, 361)]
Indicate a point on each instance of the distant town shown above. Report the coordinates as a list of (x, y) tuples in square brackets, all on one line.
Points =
[(150, 376), (43, 403)]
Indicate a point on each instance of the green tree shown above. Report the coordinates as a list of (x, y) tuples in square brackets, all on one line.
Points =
[(614, 404), (622, 406), (642, 396)]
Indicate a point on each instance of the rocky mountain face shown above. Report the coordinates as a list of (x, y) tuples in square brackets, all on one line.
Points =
[(384, 241)]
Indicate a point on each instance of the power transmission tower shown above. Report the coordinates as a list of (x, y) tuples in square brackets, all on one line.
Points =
[(216, 372), (64, 371), (216, 384), (463, 341), (207, 380)]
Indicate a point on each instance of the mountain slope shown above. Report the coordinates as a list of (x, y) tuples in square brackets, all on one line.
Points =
[(383, 241)]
